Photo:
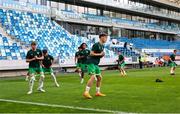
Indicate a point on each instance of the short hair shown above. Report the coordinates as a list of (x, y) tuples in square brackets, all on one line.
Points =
[(79, 48), (175, 50), (44, 51), (102, 35), (82, 45), (33, 43)]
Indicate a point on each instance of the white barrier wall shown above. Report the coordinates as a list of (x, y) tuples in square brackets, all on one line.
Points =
[(104, 61), (13, 64), (158, 50)]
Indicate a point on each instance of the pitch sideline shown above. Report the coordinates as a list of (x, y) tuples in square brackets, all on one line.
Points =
[(60, 106)]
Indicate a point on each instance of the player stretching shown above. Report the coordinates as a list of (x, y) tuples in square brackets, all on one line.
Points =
[(172, 63), (33, 57), (78, 62), (47, 63), (121, 64), (93, 69), (84, 53)]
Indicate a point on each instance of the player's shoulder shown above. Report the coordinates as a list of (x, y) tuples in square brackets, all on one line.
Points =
[(97, 43), (50, 56), (38, 50), (29, 51)]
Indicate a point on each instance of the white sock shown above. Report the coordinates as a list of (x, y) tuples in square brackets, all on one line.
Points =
[(171, 71), (41, 82), (88, 88), (124, 72), (98, 89), (54, 77), (80, 74), (31, 83)]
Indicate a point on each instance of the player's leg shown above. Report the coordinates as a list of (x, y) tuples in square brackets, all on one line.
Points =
[(175, 65), (123, 69), (78, 69), (121, 72), (31, 80), (172, 65), (41, 79), (98, 82), (54, 77), (91, 71), (27, 76), (82, 72)]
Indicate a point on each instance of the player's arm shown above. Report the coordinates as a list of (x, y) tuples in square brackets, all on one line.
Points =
[(29, 60), (80, 57), (52, 60), (41, 56), (75, 58), (41, 63), (97, 54)]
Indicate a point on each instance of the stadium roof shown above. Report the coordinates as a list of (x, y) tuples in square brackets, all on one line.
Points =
[(173, 4)]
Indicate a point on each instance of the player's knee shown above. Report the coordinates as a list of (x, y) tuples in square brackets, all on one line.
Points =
[(99, 78), (42, 75), (32, 78), (52, 74)]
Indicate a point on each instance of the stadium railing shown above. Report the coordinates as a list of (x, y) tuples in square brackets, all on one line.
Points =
[(117, 21), (135, 7)]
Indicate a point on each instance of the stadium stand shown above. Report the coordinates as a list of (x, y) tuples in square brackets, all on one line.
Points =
[(26, 27), (151, 44), (10, 50)]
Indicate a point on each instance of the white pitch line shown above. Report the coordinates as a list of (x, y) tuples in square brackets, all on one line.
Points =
[(60, 106)]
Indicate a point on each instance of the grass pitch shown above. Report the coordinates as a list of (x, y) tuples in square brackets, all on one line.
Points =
[(138, 92)]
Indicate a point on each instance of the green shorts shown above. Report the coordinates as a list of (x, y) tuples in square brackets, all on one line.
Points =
[(122, 65), (83, 67), (93, 69), (78, 65), (48, 70), (172, 64), (36, 71)]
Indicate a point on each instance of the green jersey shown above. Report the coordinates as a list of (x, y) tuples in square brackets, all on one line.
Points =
[(30, 55), (47, 61), (85, 53), (172, 56), (97, 48), (78, 54), (121, 58)]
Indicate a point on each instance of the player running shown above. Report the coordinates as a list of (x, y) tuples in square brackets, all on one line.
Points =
[(121, 64), (172, 63), (84, 53), (97, 52), (78, 62), (46, 64), (33, 57)]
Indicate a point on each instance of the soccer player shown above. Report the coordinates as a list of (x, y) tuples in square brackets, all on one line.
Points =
[(97, 52), (33, 57), (84, 53), (172, 63), (78, 62), (47, 63), (121, 64)]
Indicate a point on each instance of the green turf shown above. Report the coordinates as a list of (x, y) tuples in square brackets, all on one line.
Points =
[(136, 93)]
